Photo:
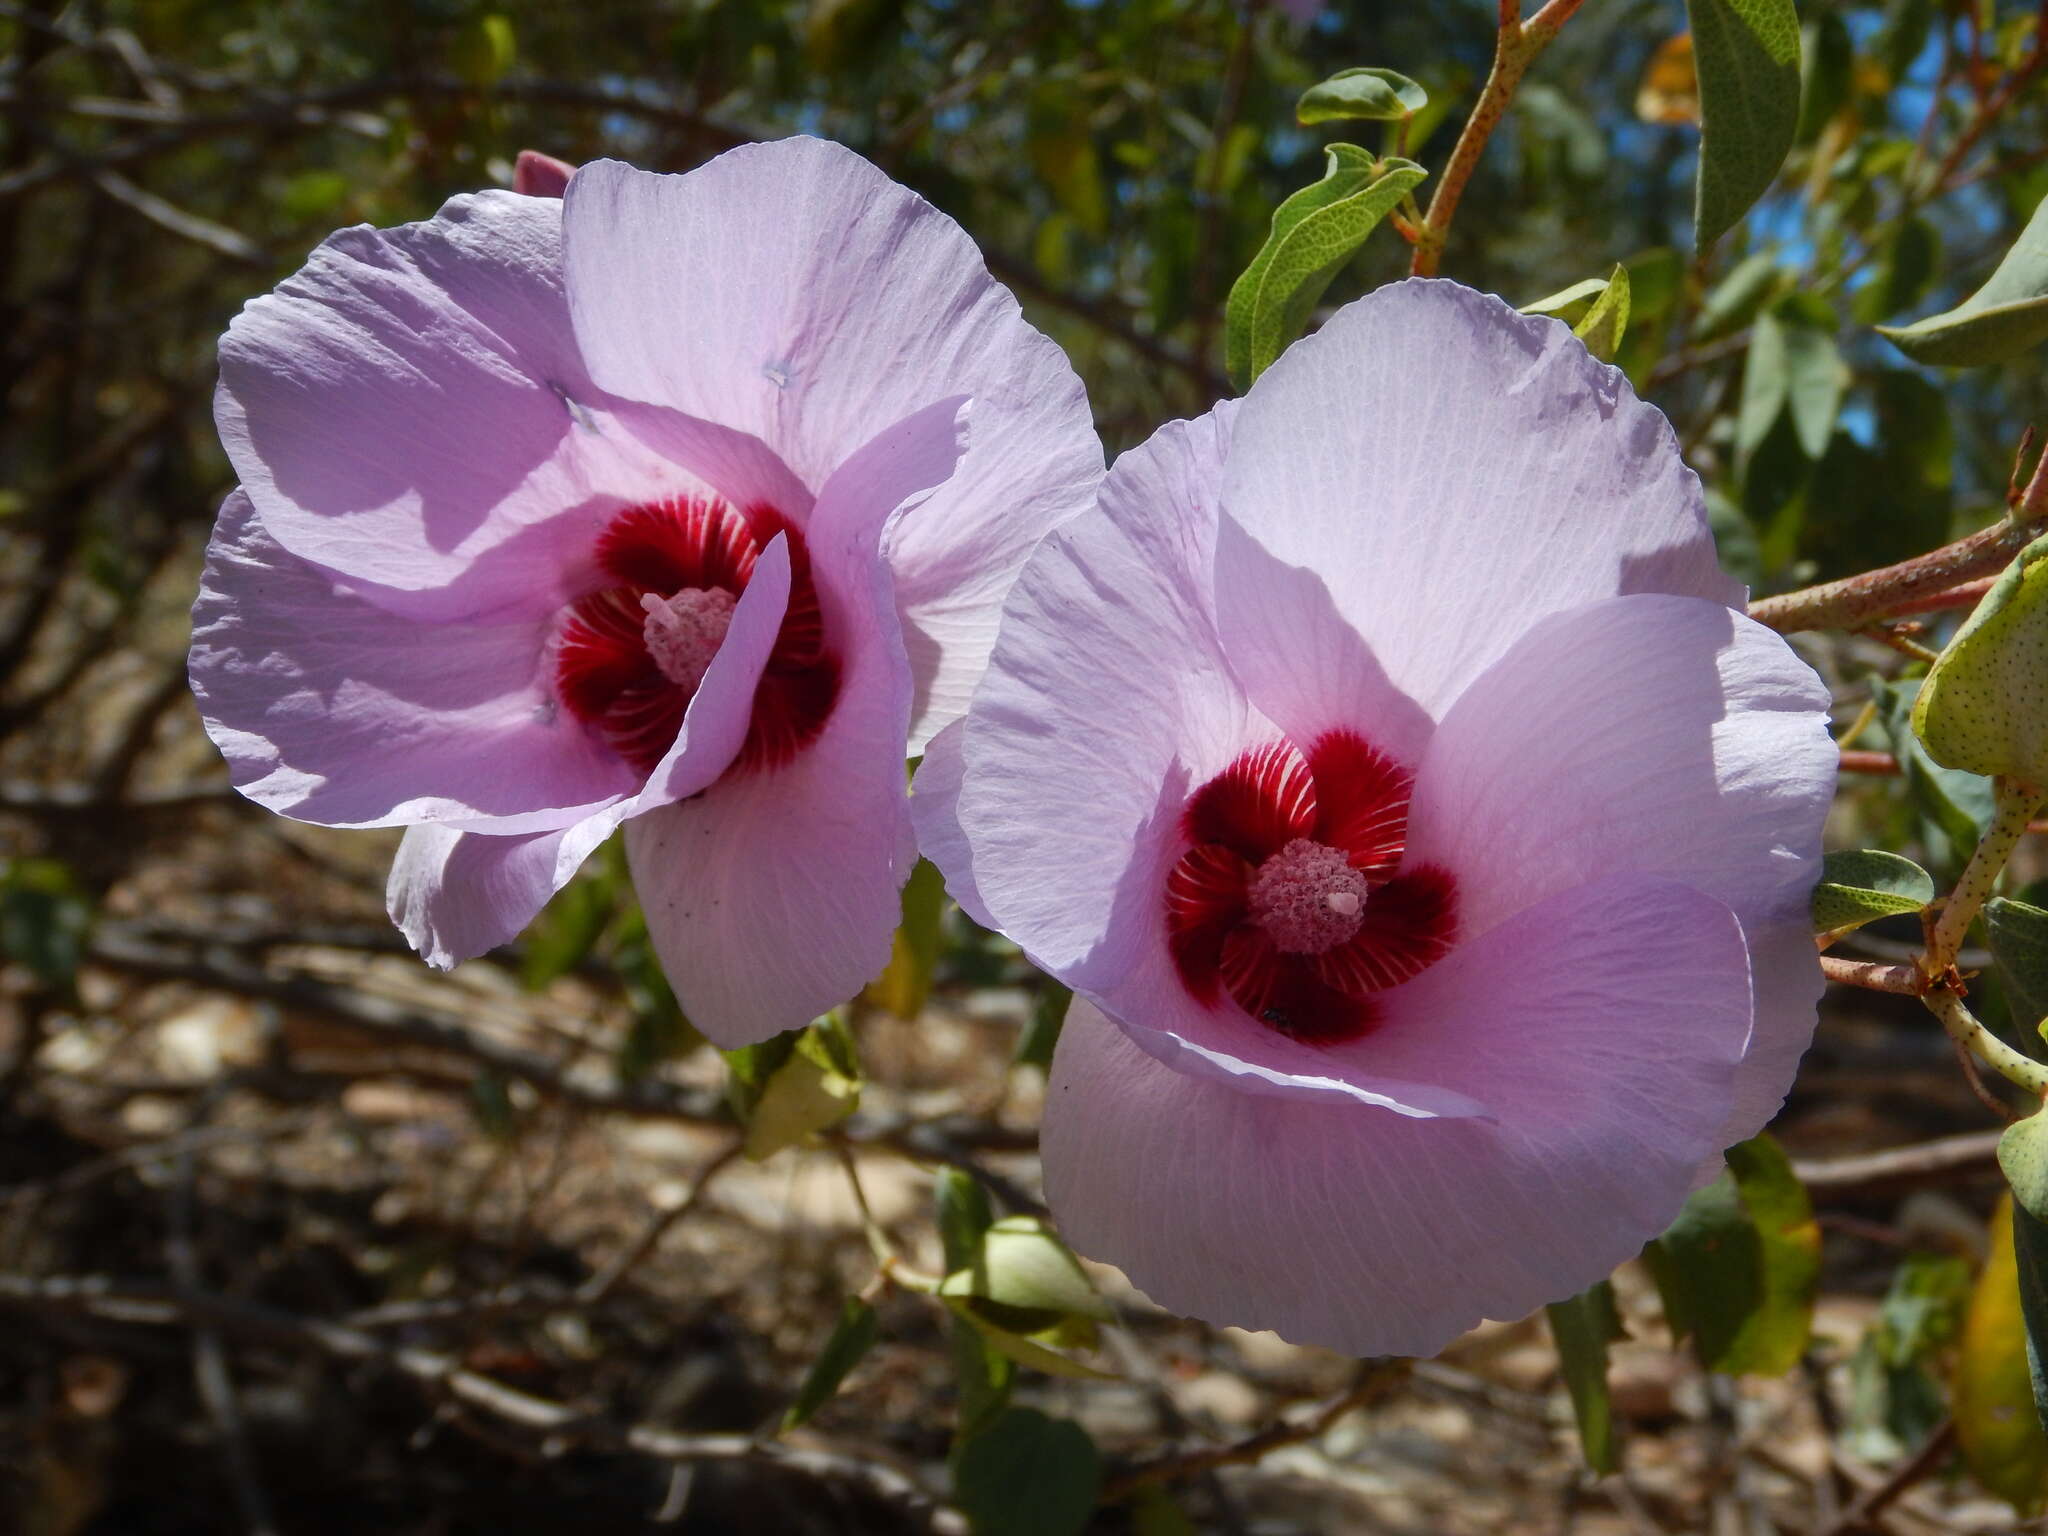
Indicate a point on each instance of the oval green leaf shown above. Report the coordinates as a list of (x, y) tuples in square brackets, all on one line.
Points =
[(1582, 1328), (851, 1339), (1860, 885), (2018, 936), (1314, 233), (2004, 318), (1021, 1264), (1747, 55), (1984, 705), (1376, 94), (1028, 1474)]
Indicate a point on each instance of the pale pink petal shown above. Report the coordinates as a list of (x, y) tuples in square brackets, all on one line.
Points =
[(330, 709), (1664, 735), (409, 410), (772, 896), (1105, 704), (1600, 1029), (1055, 812), (1454, 471), (792, 291), (456, 892)]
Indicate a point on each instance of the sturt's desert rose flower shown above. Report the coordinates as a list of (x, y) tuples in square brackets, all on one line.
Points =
[(686, 502), (1427, 835)]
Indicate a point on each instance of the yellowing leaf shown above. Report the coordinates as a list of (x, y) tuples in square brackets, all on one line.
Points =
[(2000, 1438), (1670, 92)]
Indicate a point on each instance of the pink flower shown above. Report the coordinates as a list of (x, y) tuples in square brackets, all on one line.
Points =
[(647, 506), (1385, 764)]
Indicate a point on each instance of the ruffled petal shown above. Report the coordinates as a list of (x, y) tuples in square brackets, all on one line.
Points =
[(333, 710), (1071, 791), (409, 411), (456, 892), (1660, 734), (1600, 1030), (1452, 471), (773, 896), (793, 291)]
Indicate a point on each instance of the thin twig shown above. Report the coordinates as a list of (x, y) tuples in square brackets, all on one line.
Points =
[(1925, 1160), (1376, 1380)]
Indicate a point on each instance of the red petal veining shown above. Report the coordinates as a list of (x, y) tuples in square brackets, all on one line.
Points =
[(1205, 899), (604, 675), (1346, 794), (1283, 991), (1409, 924), (1361, 801), (1257, 805)]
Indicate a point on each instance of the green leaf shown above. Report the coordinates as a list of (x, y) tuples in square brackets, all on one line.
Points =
[(2023, 1159), (1583, 1327), (1041, 1035), (1569, 304), (793, 1085), (1740, 1266), (1958, 803), (45, 920), (1910, 259), (852, 1338), (904, 986), (1747, 55), (1021, 1264), (1827, 64), (568, 928), (1605, 323), (1027, 1474), (2000, 1437), (2004, 318), (983, 1376), (1983, 707), (485, 50), (2018, 935), (1814, 377), (1022, 1349), (2030, 1250), (964, 1216), (1314, 233), (1736, 300), (1766, 384), (1376, 94), (1860, 885)]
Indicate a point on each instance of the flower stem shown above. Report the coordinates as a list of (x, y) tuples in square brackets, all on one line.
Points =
[(1514, 50), (2014, 806), (1963, 1027)]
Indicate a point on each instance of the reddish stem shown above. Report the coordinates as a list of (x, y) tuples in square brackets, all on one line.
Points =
[(1856, 760)]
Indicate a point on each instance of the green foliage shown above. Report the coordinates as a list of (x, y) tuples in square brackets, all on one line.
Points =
[(1998, 1433), (914, 955), (1739, 1267), (1022, 1268), (1373, 94), (1793, 365), (1582, 1328), (45, 921), (1603, 325), (1027, 1474), (2018, 935), (1747, 54), (1314, 233), (852, 1337), (793, 1085), (1896, 1397), (1984, 705), (2005, 317), (1041, 1034), (1862, 885), (1957, 804)]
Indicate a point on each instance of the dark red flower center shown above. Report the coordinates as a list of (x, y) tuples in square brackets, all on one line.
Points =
[(630, 655), (1288, 897)]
